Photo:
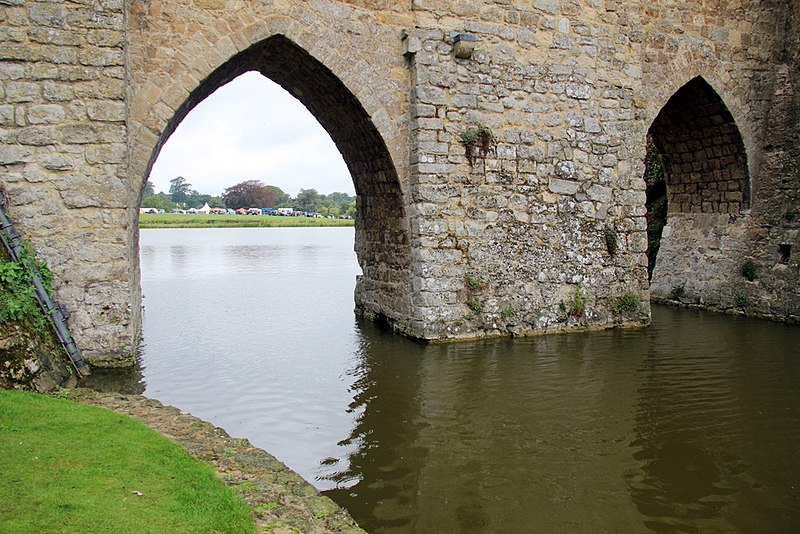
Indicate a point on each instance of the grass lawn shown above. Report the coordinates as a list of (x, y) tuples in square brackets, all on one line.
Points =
[(68, 467), (178, 220)]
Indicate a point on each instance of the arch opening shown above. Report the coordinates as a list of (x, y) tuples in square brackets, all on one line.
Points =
[(381, 242), (696, 163), (702, 152)]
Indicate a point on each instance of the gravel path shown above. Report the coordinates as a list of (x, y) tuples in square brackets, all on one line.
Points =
[(280, 500)]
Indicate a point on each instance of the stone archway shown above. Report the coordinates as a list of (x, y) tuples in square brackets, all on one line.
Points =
[(701, 149), (702, 156), (382, 243)]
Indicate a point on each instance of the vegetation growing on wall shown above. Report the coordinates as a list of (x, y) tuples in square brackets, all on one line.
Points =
[(477, 141), (30, 358), (576, 304), (625, 304), (749, 270), (17, 294)]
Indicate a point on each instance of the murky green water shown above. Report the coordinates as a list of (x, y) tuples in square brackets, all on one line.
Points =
[(692, 425)]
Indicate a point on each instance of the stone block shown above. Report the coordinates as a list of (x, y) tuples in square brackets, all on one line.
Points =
[(39, 135), (106, 111), (48, 15), (563, 187), (17, 92), (6, 115), (46, 114), (14, 154)]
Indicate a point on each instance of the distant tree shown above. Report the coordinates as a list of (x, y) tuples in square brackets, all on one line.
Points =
[(149, 189), (351, 209), (196, 200), (308, 200), (249, 194), (179, 189), (341, 201), (340, 198), (282, 200), (160, 201)]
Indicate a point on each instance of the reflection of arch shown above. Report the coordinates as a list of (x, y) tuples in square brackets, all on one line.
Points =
[(382, 243), (704, 159)]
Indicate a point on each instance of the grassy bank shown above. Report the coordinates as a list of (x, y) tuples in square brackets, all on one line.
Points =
[(177, 220), (67, 467)]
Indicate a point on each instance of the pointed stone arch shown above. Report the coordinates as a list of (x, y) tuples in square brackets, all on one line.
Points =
[(702, 152), (707, 187), (382, 231)]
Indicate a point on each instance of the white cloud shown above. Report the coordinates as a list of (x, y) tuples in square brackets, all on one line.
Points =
[(251, 129)]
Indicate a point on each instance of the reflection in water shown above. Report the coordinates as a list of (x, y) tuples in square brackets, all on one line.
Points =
[(126, 380), (649, 430), (691, 425), (718, 427)]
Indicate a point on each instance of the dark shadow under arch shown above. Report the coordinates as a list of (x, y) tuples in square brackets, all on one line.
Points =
[(702, 152), (382, 241)]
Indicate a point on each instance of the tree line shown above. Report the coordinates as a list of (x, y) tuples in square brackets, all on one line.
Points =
[(248, 194)]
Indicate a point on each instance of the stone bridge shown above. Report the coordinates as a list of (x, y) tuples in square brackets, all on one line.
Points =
[(497, 148)]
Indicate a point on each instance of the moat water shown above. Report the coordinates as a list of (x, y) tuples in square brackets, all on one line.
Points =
[(691, 425)]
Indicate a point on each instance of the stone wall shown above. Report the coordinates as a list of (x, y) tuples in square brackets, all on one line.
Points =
[(538, 225), (744, 59), (63, 158), (543, 228)]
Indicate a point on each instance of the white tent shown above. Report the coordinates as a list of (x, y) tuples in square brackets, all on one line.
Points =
[(206, 209)]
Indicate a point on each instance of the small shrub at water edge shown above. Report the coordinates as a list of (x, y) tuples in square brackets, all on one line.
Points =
[(576, 305), (677, 292), (741, 301), (627, 303)]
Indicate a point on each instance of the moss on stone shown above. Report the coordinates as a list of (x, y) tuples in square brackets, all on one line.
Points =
[(30, 356)]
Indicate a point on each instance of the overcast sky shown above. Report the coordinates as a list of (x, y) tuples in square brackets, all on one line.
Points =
[(251, 129)]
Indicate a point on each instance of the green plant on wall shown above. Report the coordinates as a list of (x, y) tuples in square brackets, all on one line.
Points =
[(625, 304), (474, 305), (17, 294), (479, 139), (471, 282), (576, 303), (749, 270), (741, 301)]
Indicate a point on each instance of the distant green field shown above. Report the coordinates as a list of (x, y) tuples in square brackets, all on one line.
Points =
[(178, 220)]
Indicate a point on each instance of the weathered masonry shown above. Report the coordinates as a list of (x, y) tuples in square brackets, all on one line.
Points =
[(497, 148)]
